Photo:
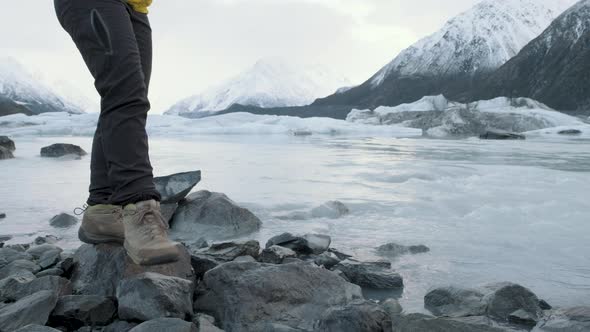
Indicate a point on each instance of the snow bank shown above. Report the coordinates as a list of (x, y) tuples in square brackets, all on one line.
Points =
[(58, 124)]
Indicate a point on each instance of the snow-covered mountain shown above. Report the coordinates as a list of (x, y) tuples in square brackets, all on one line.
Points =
[(449, 61), (271, 82), (552, 68), (20, 92)]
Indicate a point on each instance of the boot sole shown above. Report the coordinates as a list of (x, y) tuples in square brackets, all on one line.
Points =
[(166, 258), (90, 238)]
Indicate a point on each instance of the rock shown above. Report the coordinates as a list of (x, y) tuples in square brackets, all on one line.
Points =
[(37, 251), (37, 328), (360, 316), (165, 325), (18, 288), (521, 317), (424, 323), (5, 153), (75, 311), (340, 255), (151, 295), (2, 216), (19, 267), (275, 254), (205, 323), (51, 239), (304, 245), (50, 272), (572, 132), (168, 211), (61, 149), (369, 275), (20, 248), (119, 326), (392, 307), (7, 143), (332, 210), (33, 309), (501, 135), (327, 260), (9, 255), (63, 220), (544, 305), (243, 295), (99, 269), (213, 216), (244, 259), (575, 319), (200, 243), (173, 188), (203, 263), (228, 251), (50, 258), (455, 302), (394, 249), (507, 298)]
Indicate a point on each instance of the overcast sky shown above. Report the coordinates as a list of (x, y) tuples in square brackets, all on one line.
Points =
[(198, 43)]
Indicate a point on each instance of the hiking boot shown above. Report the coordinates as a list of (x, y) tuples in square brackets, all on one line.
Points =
[(146, 240), (102, 224)]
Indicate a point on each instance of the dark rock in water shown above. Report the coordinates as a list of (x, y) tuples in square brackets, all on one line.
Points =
[(5, 153), (228, 251), (37, 251), (7, 143), (521, 317), (63, 220), (303, 245), (394, 249), (368, 275), (33, 309), (359, 316), (18, 288), (61, 149), (2, 216), (99, 269), (331, 209), (275, 254), (424, 323), (19, 267), (506, 298), (574, 319), (165, 325), (544, 305), (244, 295), (173, 188), (75, 311), (572, 132), (9, 255), (213, 216), (340, 255), (501, 135), (205, 323), (151, 295), (392, 307), (50, 272), (51, 239), (455, 302), (327, 260), (36, 328)]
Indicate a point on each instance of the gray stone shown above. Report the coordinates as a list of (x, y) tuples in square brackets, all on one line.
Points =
[(213, 216), (424, 323), (33, 309), (4, 237), (340, 255), (571, 132), (392, 307), (576, 319), (360, 316), (7, 143), (18, 288), (203, 263), (9, 255), (119, 326), (394, 249), (506, 298), (331, 209), (173, 188), (244, 259), (61, 149), (78, 310), (521, 317), (327, 260), (304, 245), (165, 325), (19, 267), (200, 243), (544, 305), (98, 269), (501, 135), (36, 328), (51, 239), (455, 302), (37, 251), (243, 295), (168, 211), (228, 251), (50, 272), (20, 248), (275, 327), (63, 220), (49, 258), (275, 254), (205, 323), (5, 153), (151, 295), (369, 275)]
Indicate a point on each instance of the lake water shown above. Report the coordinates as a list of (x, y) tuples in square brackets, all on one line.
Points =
[(489, 210)]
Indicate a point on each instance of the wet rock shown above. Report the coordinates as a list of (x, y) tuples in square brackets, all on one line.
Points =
[(394, 249), (168, 211), (243, 295), (63, 220), (424, 323), (51, 239), (203, 263), (61, 149), (20, 248), (521, 317), (37, 251), (19, 267), (331, 209), (340, 255), (360, 316), (75, 311), (165, 325), (50, 272), (455, 302), (151, 295), (33, 309), (173, 188), (99, 269), (5, 153), (575, 319), (213, 216), (228, 251), (369, 275), (244, 259), (9, 255), (7, 143), (303, 245), (544, 305), (571, 132), (392, 307), (18, 288), (205, 323), (275, 254), (2, 216), (37, 328), (327, 260), (119, 326), (507, 298), (501, 135)]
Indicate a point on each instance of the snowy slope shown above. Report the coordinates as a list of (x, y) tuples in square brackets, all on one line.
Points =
[(20, 87), (269, 83)]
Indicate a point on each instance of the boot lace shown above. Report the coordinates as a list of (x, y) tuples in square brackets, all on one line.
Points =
[(152, 221), (80, 210)]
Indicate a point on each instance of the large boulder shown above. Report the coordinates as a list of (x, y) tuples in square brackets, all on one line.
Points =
[(165, 325), (205, 323), (98, 269), (5, 153), (33, 309), (228, 251), (63, 220), (360, 316), (61, 149), (17, 288), (19, 267), (7, 143), (575, 319), (212, 216), (275, 254), (303, 245), (37, 328), (244, 295), (370, 275), (394, 249), (152, 295), (173, 188), (455, 302), (75, 311), (507, 298), (9, 255), (424, 323)]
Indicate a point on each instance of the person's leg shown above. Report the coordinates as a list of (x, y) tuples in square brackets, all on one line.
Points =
[(100, 188)]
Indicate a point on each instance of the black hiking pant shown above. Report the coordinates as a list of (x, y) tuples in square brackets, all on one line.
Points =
[(116, 44)]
